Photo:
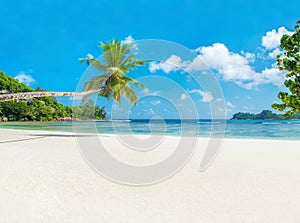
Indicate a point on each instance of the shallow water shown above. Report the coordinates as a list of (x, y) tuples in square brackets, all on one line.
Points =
[(261, 129)]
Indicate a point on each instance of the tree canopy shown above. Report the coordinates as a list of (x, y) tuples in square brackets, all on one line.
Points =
[(119, 59), (11, 85), (290, 62), (41, 109), (264, 115)]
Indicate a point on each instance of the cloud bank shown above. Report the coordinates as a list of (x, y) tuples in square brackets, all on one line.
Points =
[(231, 66), (272, 38)]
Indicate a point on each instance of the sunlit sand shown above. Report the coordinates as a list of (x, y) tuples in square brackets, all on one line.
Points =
[(44, 178)]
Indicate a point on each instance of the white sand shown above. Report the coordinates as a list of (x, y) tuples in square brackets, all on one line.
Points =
[(44, 178)]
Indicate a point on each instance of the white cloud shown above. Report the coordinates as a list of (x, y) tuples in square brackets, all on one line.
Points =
[(249, 56), (131, 40), (173, 63), (25, 78), (206, 95), (274, 53), (271, 41), (149, 92), (183, 96), (231, 66), (229, 107), (235, 67), (128, 40), (272, 38), (196, 65), (229, 104), (272, 75), (155, 102)]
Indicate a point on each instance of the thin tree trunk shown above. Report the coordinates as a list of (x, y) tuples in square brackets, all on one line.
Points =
[(39, 94)]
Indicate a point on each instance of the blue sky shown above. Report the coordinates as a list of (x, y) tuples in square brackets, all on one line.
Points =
[(41, 41)]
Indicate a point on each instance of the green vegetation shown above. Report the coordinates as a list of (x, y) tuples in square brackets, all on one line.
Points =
[(11, 85), (264, 115), (119, 60), (290, 62), (42, 109)]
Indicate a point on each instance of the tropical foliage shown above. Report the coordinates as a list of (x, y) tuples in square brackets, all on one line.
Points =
[(290, 62), (119, 59), (264, 115), (41, 109)]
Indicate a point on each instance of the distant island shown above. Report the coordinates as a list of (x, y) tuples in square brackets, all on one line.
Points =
[(264, 115), (42, 109)]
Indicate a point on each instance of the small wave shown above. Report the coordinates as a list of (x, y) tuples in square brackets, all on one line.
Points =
[(120, 120), (103, 120), (209, 122)]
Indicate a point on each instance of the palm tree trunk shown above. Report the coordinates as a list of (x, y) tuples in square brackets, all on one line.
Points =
[(39, 94)]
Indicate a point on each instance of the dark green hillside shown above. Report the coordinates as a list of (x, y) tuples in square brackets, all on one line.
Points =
[(41, 109), (11, 85), (264, 115)]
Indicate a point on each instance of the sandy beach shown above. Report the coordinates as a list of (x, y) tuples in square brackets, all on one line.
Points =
[(44, 178)]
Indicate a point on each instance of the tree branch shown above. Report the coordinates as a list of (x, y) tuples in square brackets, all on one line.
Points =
[(39, 94)]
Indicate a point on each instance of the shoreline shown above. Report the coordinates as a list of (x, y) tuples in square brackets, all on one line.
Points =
[(145, 134), (50, 133)]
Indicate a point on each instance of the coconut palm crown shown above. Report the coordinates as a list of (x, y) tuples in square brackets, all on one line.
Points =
[(119, 59)]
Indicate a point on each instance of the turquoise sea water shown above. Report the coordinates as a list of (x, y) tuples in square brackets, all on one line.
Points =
[(259, 129)]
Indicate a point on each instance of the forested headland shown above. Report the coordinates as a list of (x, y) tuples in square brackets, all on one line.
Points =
[(41, 109), (264, 115)]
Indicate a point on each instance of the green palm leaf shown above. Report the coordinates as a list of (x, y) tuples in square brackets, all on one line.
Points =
[(119, 60), (129, 94)]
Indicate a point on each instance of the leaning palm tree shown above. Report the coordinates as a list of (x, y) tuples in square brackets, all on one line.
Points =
[(119, 60), (113, 83)]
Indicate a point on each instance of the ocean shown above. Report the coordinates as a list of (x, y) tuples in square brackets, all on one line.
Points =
[(256, 129)]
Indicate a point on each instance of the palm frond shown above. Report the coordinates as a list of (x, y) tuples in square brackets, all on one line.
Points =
[(106, 92), (96, 82), (91, 60), (135, 63), (117, 96), (127, 60), (116, 83), (129, 94), (98, 65), (119, 59)]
